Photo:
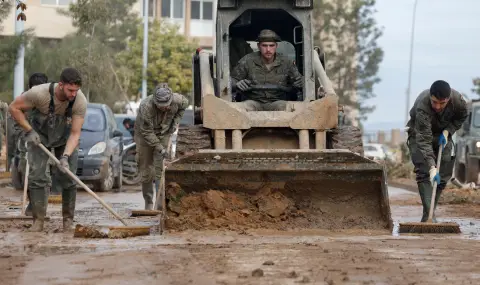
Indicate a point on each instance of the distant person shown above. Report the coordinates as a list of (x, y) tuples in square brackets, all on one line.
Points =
[(129, 126), (436, 115)]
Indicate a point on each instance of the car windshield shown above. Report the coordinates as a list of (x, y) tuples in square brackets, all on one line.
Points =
[(94, 120), (121, 127), (369, 148)]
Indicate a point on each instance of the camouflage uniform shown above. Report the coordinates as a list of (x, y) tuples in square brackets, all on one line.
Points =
[(425, 128), (282, 72), (3, 120), (153, 129)]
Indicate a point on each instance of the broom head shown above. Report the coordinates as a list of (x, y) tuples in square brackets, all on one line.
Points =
[(429, 228), (55, 199)]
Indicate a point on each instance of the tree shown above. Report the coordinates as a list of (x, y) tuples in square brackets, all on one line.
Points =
[(112, 22), (169, 58), (476, 86), (347, 32)]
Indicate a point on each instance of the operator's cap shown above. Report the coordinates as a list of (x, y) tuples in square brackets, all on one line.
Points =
[(162, 95), (268, 36)]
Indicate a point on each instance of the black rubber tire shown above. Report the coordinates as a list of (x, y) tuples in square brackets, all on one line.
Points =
[(346, 137), (104, 185), (191, 138)]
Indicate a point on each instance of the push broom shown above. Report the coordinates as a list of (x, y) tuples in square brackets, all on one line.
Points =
[(114, 231), (429, 227)]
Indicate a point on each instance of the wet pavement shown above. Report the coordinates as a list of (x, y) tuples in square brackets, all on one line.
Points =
[(220, 257)]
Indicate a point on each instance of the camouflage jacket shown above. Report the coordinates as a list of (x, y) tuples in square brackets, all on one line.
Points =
[(283, 72), (152, 124), (425, 125)]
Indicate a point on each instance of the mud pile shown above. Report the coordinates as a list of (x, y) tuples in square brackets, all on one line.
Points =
[(214, 209), (267, 209), (460, 196)]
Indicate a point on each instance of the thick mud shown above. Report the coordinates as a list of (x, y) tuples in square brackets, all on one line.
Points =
[(270, 208), (222, 256)]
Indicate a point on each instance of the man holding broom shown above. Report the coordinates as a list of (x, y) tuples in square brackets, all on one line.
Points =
[(56, 117), (436, 115), (158, 117)]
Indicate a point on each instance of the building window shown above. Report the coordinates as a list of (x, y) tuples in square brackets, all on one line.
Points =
[(172, 9), (152, 6), (57, 2), (201, 10)]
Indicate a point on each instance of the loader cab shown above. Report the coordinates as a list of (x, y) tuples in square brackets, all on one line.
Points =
[(238, 24)]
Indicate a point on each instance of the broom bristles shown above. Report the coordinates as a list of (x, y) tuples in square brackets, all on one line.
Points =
[(55, 199), (429, 228)]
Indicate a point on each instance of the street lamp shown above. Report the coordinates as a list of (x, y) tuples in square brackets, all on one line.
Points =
[(145, 49), (412, 35)]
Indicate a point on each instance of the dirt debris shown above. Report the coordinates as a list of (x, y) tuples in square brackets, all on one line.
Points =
[(268, 208), (257, 273)]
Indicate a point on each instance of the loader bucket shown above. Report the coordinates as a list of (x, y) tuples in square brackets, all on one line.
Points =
[(336, 189)]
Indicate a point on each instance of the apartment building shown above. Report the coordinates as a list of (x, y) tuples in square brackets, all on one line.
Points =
[(194, 18)]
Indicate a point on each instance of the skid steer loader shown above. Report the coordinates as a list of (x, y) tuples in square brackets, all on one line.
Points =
[(302, 152)]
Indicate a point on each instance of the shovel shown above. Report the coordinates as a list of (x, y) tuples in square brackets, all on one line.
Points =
[(80, 231)]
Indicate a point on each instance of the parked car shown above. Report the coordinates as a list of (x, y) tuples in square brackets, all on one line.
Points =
[(377, 151), (100, 149)]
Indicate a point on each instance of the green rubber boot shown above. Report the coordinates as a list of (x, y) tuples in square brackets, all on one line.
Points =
[(69, 197), (425, 190), (39, 208)]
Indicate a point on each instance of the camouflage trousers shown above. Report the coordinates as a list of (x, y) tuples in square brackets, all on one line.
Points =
[(39, 181), (422, 168), (251, 105), (150, 167)]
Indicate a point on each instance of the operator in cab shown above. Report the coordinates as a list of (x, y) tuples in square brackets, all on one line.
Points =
[(266, 66)]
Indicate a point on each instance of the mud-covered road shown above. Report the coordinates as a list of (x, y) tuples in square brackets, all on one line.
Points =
[(237, 257)]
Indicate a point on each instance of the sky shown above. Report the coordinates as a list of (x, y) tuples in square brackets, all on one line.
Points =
[(446, 46)]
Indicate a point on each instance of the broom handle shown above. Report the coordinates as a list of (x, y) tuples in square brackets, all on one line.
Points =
[(434, 189), (74, 177), (25, 185)]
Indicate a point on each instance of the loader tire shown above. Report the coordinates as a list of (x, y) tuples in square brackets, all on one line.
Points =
[(191, 138), (346, 137)]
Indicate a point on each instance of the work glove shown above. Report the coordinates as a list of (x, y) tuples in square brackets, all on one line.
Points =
[(160, 151), (172, 128), (298, 83), (443, 139), (63, 166), (244, 84), (434, 175), (33, 137)]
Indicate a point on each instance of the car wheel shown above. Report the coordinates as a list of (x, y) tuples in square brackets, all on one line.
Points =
[(106, 184), (117, 183)]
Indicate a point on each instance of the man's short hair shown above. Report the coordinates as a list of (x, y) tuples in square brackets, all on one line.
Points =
[(36, 79), (440, 89), (71, 76)]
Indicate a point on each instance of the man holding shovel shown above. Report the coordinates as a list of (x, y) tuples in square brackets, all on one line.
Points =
[(157, 119), (436, 115), (56, 117)]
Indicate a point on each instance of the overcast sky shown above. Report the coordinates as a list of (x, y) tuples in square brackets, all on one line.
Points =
[(446, 46)]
